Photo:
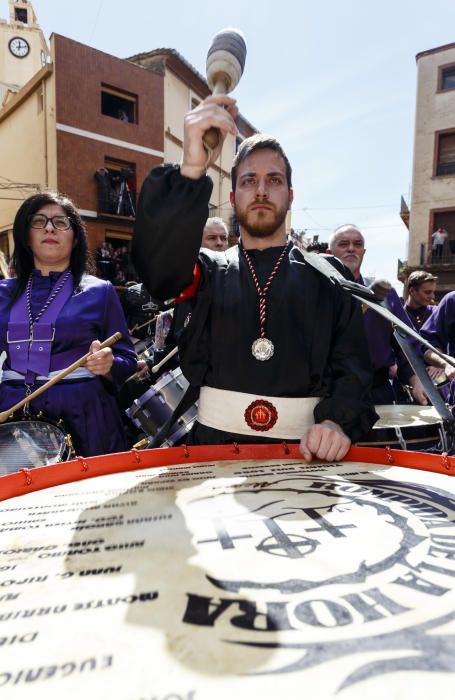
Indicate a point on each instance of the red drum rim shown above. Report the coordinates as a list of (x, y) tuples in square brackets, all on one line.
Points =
[(29, 480)]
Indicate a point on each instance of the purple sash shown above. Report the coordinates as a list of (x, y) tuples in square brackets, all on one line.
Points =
[(31, 356)]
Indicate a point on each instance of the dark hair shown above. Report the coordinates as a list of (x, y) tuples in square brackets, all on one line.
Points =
[(256, 143), (419, 277), (22, 259)]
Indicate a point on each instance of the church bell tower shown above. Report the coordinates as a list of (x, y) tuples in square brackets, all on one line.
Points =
[(23, 48)]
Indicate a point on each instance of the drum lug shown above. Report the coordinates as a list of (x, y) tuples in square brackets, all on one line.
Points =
[(28, 476), (389, 455), (136, 454), (445, 461), (83, 463)]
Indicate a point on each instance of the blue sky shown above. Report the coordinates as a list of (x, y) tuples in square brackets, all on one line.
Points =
[(333, 80)]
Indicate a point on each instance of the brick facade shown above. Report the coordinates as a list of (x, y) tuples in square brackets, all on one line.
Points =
[(80, 73)]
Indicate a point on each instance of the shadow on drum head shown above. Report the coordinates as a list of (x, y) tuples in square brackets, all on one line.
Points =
[(153, 542)]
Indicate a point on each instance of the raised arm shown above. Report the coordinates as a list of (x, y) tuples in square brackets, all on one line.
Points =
[(173, 205)]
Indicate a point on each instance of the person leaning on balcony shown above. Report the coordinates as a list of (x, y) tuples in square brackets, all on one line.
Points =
[(438, 239), (52, 314)]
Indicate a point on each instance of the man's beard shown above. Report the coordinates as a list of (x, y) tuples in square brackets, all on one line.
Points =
[(273, 219)]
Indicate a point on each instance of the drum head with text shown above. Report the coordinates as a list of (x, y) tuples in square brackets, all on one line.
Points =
[(231, 579)]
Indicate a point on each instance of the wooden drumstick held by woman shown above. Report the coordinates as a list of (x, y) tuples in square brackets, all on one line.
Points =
[(4, 415)]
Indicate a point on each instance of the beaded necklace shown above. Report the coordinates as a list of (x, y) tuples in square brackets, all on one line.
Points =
[(47, 303)]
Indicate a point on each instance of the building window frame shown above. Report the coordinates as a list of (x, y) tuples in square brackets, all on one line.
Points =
[(113, 98), (434, 221), (442, 70), (117, 190), (194, 100), (436, 165)]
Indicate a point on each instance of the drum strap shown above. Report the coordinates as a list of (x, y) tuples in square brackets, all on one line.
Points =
[(190, 397), (30, 341)]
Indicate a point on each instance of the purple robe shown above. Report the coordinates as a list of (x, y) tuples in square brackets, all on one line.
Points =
[(384, 351), (439, 328), (419, 316), (88, 406)]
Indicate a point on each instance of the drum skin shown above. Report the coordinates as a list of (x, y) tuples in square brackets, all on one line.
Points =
[(232, 571), (32, 442)]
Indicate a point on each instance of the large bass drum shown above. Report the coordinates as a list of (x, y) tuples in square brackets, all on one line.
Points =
[(32, 442), (232, 571)]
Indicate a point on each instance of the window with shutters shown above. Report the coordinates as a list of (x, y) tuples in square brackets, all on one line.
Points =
[(446, 153)]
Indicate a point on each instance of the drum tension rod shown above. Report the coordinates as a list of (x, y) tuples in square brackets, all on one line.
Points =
[(286, 448), (185, 451), (236, 448)]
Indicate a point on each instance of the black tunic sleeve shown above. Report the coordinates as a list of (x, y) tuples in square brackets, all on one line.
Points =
[(171, 215), (348, 400)]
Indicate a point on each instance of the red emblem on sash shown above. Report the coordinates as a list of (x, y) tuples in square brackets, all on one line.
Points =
[(261, 415)]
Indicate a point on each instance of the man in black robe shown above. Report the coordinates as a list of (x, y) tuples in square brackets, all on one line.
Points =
[(277, 349)]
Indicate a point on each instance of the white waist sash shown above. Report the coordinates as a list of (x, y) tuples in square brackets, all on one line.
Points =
[(250, 414), (10, 375)]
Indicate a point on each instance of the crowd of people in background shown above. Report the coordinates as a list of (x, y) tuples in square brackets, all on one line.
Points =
[(113, 264)]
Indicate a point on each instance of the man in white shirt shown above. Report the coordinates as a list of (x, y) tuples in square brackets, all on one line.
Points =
[(438, 238)]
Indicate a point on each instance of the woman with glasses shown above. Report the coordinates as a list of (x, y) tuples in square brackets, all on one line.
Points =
[(51, 314)]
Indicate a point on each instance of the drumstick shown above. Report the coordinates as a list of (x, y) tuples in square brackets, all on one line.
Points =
[(5, 414), (157, 367), (147, 323)]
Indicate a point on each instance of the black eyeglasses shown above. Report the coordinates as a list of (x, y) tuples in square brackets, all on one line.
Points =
[(60, 223)]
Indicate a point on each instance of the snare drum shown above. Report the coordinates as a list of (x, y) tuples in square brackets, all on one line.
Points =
[(406, 427), (32, 442), (151, 410)]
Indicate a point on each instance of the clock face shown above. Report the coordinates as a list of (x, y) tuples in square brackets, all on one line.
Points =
[(19, 47)]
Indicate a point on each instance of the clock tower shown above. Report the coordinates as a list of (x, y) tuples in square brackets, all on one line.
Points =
[(23, 48)]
